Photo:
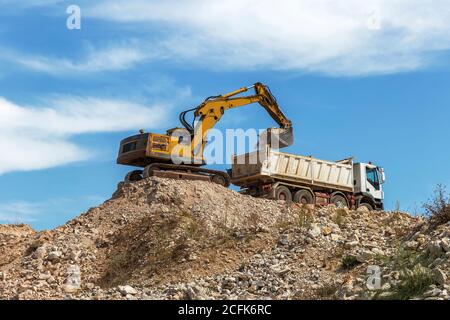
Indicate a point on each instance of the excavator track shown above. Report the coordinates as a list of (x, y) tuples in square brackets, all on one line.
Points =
[(184, 172)]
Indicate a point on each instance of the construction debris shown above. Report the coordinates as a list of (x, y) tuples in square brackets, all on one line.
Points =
[(174, 239)]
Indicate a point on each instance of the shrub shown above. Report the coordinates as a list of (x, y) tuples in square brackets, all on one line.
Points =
[(438, 208), (349, 262), (413, 283), (33, 247), (339, 217), (305, 218)]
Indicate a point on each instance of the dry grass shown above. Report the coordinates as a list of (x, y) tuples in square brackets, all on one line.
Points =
[(340, 217), (438, 208)]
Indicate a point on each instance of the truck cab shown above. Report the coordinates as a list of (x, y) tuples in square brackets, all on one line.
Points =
[(368, 185)]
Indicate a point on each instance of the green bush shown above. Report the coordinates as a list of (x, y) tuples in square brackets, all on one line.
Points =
[(349, 262), (413, 283)]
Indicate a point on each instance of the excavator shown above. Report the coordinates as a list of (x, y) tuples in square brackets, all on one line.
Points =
[(178, 154)]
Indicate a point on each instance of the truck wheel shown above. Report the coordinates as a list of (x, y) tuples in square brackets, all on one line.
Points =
[(366, 205), (133, 176), (303, 197), (339, 201), (283, 193)]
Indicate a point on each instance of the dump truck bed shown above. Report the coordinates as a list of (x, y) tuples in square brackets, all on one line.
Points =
[(269, 166)]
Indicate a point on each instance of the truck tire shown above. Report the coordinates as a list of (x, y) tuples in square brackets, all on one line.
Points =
[(303, 197), (339, 201), (283, 193)]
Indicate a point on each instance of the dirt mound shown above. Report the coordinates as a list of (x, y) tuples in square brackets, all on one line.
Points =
[(171, 239)]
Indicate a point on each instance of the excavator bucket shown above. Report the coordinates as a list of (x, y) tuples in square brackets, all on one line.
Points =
[(276, 138)]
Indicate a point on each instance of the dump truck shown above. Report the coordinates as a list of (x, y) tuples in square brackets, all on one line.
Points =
[(277, 175)]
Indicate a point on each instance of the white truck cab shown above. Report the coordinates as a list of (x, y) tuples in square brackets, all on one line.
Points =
[(368, 184)]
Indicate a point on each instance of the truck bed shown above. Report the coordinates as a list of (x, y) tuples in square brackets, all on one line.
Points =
[(269, 166)]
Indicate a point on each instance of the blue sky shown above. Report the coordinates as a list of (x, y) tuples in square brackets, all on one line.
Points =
[(366, 80)]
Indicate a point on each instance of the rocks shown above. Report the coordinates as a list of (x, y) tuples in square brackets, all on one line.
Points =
[(377, 252), (445, 244), (335, 237), (439, 276), (364, 256), (434, 248), (39, 253), (314, 231), (54, 256), (327, 230), (362, 209), (411, 245), (351, 244), (283, 240), (171, 239), (73, 280), (126, 290)]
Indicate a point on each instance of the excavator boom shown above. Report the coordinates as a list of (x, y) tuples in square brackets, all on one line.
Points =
[(161, 152), (212, 109)]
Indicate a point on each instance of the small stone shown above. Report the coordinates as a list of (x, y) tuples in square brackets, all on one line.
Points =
[(362, 209), (70, 288), (314, 231), (364, 256), (411, 245), (432, 293), (23, 287), (192, 257), (39, 253), (439, 276), (335, 237), (125, 290), (434, 248), (51, 280), (351, 244), (378, 252), (284, 240), (44, 276), (54, 255), (327, 231), (445, 244)]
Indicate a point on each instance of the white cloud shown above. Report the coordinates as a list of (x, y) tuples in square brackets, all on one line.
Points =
[(96, 60), (33, 137), (18, 212), (333, 37)]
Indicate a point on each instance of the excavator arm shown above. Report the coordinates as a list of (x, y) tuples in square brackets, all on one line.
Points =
[(213, 108)]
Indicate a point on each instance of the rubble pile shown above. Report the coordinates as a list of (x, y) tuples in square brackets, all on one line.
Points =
[(174, 239)]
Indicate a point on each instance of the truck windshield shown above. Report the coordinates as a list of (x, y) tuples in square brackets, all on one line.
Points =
[(372, 177)]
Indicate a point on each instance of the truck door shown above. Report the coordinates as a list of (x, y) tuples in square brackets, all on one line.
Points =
[(373, 183)]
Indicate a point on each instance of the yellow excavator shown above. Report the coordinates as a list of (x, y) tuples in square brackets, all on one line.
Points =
[(179, 153)]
